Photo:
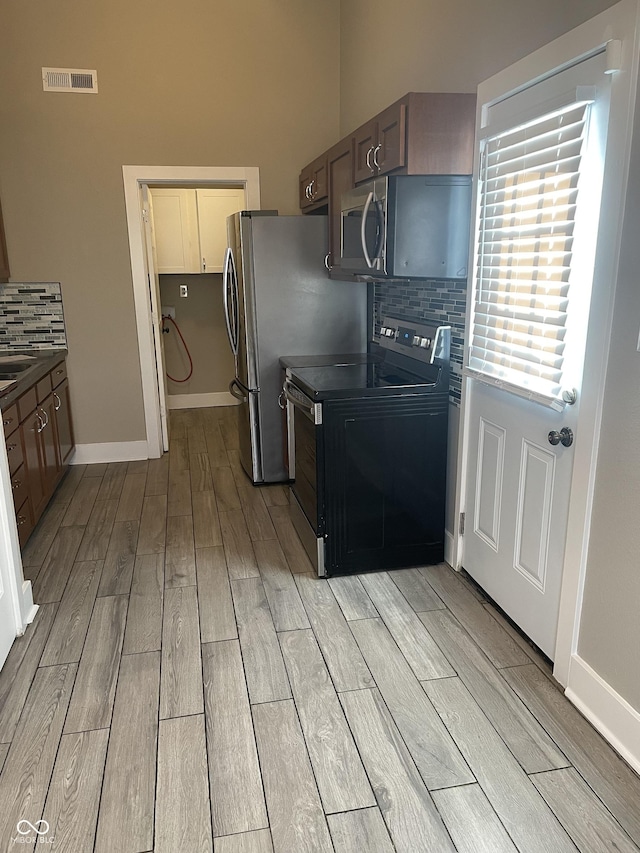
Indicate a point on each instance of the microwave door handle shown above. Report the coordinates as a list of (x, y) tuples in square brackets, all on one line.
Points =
[(380, 240), (363, 231)]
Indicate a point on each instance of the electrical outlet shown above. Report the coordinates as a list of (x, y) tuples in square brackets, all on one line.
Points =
[(168, 311), (184, 291)]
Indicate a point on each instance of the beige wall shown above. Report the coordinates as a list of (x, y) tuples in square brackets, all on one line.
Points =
[(389, 47), (189, 83), (200, 317)]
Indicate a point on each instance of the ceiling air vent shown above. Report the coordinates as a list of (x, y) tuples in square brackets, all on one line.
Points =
[(69, 80)]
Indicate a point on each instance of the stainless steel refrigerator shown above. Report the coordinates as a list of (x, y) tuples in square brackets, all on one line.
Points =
[(279, 301)]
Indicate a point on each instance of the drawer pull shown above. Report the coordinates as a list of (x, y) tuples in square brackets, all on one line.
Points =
[(21, 520), (11, 447), (59, 372), (7, 421), (16, 484)]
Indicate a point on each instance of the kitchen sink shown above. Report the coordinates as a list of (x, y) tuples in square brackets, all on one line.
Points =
[(17, 371), (14, 367)]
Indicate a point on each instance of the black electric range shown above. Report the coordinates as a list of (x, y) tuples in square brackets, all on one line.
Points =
[(367, 452)]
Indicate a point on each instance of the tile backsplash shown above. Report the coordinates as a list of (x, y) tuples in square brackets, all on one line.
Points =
[(437, 302), (31, 316)]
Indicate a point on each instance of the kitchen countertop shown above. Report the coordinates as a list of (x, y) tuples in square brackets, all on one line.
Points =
[(44, 361)]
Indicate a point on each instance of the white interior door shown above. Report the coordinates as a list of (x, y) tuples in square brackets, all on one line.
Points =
[(540, 176), (153, 280)]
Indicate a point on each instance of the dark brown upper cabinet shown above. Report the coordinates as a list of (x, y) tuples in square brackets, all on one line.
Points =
[(423, 133), (380, 144), (313, 184)]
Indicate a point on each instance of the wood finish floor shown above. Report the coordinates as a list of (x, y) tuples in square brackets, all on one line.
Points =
[(189, 685)]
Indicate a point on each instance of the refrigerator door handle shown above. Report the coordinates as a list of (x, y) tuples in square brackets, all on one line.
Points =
[(228, 261), (231, 300)]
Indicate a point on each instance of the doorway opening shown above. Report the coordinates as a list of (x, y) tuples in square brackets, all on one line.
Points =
[(146, 283)]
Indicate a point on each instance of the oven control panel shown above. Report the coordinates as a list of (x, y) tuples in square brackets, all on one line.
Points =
[(425, 343)]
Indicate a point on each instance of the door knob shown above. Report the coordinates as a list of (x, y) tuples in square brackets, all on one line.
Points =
[(564, 437)]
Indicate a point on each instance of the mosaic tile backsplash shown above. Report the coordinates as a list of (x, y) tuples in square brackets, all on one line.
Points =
[(31, 316), (437, 302)]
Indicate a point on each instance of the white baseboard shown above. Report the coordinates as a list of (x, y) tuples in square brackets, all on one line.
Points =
[(448, 547), (112, 451), (615, 719), (201, 401)]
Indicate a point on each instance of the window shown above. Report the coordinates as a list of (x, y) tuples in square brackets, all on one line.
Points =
[(530, 185)]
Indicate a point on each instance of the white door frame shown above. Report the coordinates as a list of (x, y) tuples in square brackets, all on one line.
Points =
[(619, 23), (134, 177)]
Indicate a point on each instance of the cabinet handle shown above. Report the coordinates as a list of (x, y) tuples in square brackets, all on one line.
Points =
[(41, 427), (8, 421), (326, 260), (11, 447), (59, 372), (311, 190), (369, 153), (21, 519), (16, 484), (46, 418), (204, 265), (58, 404), (375, 151)]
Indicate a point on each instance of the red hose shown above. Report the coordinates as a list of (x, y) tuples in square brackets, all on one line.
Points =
[(186, 349)]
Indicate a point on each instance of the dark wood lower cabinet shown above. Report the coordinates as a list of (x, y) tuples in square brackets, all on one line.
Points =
[(30, 430), (44, 441)]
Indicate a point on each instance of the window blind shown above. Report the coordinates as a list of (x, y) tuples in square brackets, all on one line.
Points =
[(528, 195)]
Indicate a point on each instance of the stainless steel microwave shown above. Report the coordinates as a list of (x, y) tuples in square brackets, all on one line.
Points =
[(407, 226)]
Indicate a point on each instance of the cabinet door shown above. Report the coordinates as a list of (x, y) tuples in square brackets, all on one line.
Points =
[(49, 441), (390, 150), (30, 432), (365, 140), (313, 183), (340, 179), (24, 522), (304, 188), (64, 425), (214, 205), (175, 226)]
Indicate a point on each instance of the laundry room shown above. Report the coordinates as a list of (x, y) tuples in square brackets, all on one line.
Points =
[(189, 236)]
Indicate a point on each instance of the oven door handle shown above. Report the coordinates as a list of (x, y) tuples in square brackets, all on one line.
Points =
[(301, 401)]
